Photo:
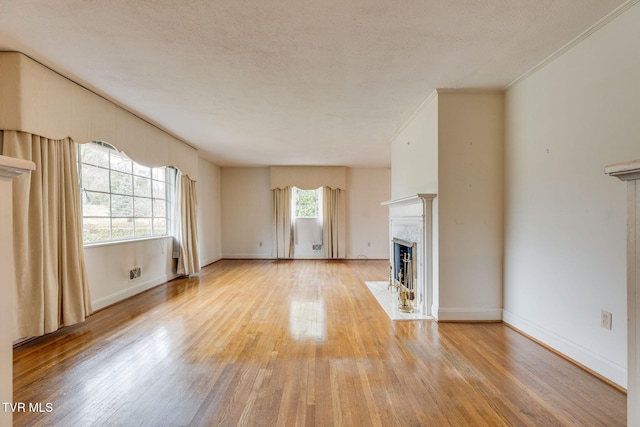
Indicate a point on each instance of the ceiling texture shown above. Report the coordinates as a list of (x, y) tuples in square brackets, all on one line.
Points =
[(289, 82)]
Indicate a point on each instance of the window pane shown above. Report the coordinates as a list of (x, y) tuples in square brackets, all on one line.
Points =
[(159, 190), (96, 230), (143, 227), (94, 178), (142, 186), (121, 183), (160, 174), (306, 203), (142, 207), (141, 170), (122, 228), (95, 204), (159, 226), (121, 206), (159, 209), (94, 155), (120, 163)]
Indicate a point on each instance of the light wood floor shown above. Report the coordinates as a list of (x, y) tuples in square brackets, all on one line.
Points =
[(263, 343)]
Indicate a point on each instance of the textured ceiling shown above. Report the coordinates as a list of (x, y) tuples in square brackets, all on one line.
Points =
[(286, 82)]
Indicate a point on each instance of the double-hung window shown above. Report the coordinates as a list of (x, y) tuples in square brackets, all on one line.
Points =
[(121, 199)]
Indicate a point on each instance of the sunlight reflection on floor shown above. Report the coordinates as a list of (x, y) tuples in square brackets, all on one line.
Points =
[(308, 320)]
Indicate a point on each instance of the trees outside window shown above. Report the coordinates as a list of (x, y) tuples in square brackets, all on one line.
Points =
[(121, 199), (307, 203)]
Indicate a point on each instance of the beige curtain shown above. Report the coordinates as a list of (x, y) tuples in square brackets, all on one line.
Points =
[(51, 288), (333, 222), (189, 259), (282, 223)]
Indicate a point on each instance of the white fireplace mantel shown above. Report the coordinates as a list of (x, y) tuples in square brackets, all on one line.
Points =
[(410, 200), (630, 172), (10, 168)]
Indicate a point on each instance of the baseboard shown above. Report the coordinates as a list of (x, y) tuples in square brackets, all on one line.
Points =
[(131, 291), (246, 256), (568, 349), (469, 314), (210, 261)]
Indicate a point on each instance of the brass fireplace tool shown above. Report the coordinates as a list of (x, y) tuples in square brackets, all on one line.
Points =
[(404, 285)]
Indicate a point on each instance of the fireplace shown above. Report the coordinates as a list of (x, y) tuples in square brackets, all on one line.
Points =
[(403, 250), (411, 238), (405, 273)]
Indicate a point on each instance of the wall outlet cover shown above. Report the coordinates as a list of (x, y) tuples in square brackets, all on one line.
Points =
[(134, 273), (606, 319)]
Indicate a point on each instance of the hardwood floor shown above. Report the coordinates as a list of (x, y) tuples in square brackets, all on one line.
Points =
[(262, 343)]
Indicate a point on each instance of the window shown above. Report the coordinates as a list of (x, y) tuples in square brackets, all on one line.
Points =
[(307, 203), (121, 199)]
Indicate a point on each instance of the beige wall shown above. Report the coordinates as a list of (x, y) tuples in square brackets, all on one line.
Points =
[(565, 224), (208, 190), (414, 153), (367, 220), (470, 194), (246, 213), (108, 268)]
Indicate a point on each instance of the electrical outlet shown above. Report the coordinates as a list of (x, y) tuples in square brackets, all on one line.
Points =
[(260, 244), (369, 244), (605, 319), (134, 273)]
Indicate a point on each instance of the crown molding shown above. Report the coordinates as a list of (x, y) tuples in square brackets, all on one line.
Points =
[(426, 102), (471, 91)]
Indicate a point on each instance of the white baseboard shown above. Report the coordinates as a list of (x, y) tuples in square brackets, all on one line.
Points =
[(469, 314), (246, 256), (209, 261), (130, 291), (571, 350)]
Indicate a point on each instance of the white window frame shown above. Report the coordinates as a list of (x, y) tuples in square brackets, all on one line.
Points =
[(164, 199)]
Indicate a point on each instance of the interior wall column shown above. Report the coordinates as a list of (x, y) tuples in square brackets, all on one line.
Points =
[(630, 172), (9, 169)]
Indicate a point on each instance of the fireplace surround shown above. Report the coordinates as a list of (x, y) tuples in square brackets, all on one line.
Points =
[(411, 225)]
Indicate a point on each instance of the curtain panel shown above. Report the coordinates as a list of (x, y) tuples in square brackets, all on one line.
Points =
[(188, 259), (282, 223), (333, 223), (51, 288)]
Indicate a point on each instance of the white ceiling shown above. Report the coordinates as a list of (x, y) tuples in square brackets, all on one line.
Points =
[(289, 82)]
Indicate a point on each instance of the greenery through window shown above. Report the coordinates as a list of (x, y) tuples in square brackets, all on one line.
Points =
[(307, 203), (121, 199)]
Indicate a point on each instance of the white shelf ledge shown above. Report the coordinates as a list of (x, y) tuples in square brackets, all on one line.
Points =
[(625, 171), (11, 167), (409, 200)]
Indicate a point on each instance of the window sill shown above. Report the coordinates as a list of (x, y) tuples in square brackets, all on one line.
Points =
[(119, 242)]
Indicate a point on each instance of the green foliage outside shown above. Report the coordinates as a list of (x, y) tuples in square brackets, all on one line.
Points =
[(306, 203)]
